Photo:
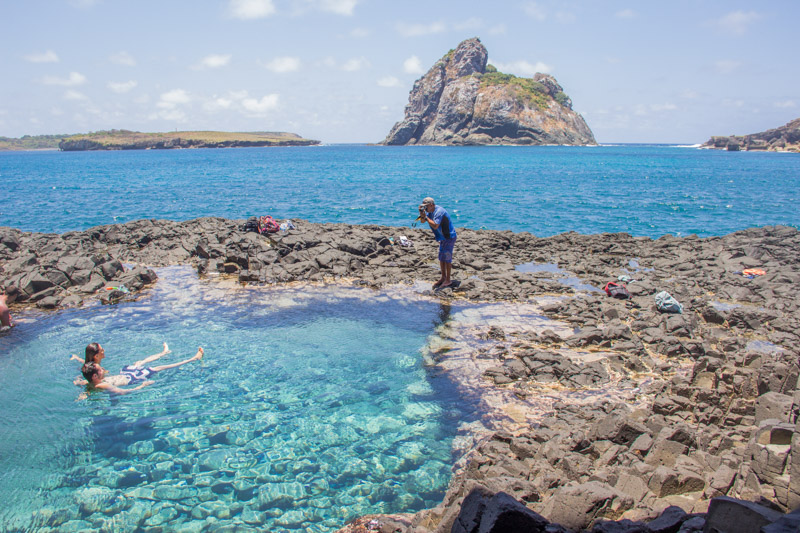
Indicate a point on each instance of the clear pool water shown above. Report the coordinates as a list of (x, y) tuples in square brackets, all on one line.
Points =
[(311, 407)]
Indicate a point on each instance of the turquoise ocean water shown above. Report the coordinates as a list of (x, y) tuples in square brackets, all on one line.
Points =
[(313, 405), (643, 190)]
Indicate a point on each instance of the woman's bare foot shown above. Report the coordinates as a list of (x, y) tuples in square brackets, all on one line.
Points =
[(199, 354), (166, 349)]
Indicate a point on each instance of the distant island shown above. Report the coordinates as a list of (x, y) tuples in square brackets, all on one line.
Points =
[(134, 140), (463, 101), (783, 139)]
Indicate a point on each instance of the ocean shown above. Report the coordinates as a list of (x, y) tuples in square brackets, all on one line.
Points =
[(645, 190), (313, 405)]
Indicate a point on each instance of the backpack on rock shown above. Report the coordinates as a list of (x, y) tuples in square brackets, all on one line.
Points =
[(665, 303), (251, 225), (267, 224), (617, 290)]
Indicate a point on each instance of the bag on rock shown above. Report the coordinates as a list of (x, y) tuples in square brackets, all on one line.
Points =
[(267, 224), (667, 304), (617, 290), (251, 225)]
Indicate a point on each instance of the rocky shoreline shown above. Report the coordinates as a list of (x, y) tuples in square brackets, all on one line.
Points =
[(783, 139), (711, 398)]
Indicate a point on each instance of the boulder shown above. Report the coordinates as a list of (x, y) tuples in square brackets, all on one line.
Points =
[(578, 506), (728, 515)]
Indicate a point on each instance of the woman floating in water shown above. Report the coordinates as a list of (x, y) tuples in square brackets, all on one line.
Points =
[(96, 375), (5, 314)]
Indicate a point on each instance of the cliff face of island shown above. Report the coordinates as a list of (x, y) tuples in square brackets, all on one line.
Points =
[(462, 101), (783, 139), (133, 140)]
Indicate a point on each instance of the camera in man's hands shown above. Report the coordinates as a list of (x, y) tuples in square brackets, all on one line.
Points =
[(422, 208)]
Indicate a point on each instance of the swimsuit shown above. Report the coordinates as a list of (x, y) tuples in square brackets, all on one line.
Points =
[(136, 373)]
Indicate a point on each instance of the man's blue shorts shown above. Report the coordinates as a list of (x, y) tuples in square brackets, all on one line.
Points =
[(446, 250)]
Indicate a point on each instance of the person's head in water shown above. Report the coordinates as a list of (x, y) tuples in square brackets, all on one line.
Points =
[(94, 353), (92, 372)]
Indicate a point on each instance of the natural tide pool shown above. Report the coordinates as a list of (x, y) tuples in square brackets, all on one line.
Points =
[(312, 406)]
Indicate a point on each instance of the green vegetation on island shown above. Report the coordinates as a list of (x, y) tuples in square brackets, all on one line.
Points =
[(134, 140), (528, 90), (31, 142)]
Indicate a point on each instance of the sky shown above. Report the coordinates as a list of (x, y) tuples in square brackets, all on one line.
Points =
[(340, 71)]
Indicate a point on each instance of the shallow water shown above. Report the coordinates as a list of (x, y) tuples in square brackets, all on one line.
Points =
[(565, 279), (311, 406)]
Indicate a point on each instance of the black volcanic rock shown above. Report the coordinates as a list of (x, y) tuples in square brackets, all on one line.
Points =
[(462, 101), (783, 139)]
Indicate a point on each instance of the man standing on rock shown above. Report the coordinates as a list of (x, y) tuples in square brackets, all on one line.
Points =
[(439, 220)]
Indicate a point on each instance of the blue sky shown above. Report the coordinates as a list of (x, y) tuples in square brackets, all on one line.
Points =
[(340, 70)]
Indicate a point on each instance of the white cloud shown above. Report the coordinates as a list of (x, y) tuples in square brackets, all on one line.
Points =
[(727, 66), (45, 57), (360, 33), (625, 14), (121, 87), (74, 95), (169, 114), (499, 29), (389, 81), (786, 104), (354, 64), (417, 30), (266, 103), (218, 103), (251, 9), (340, 7), (123, 58), (612, 60), (74, 79), (534, 10), (737, 22), (214, 61), (238, 95), (690, 94), (283, 64), (413, 65), (663, 107), (523, 68), (174, 98)]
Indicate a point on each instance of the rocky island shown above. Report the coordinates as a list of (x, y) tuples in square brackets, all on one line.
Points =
[(134, 140), (610, 415), (783, 139), (463, 101)]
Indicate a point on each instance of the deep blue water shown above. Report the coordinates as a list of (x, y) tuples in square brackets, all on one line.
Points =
[(643, 190)]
